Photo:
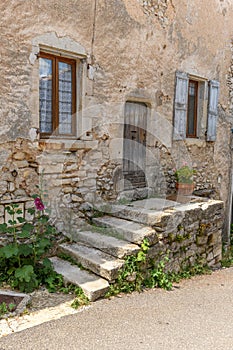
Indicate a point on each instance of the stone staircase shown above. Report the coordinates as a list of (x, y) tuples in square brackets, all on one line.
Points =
[(100, 250)]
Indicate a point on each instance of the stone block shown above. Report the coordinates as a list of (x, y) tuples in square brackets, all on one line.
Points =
[(71, 167), (128, 230), (21, 164), (106, 243), (90, 182), (51, 169), (2, 210), (67, 189), (76, 198), (96, 261), (217, 250), (201, 240), (55, 146), (3, 187), (82, 173), (95, 155), (93, 286), (215, 238), (11, 187), (19, 156), (210, 257)]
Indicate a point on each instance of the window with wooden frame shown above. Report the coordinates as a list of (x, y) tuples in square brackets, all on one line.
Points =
[(57, 95), (195, 107)]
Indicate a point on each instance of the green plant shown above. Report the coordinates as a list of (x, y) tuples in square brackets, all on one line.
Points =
[(23, 262), (184, 174), (81, 299), (131, 275), (179, 238), (4, 308), (135, 275), (158, 277)]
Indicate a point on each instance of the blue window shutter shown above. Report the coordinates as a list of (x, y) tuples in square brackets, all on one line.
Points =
[(180, 108), (212, 110)]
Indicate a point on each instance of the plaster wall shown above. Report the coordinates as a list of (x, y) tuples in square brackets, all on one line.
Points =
[(130, 50)]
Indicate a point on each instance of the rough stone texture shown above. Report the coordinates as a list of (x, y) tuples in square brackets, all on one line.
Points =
[(98, 262), (106, 243), (187, 233), (156, 8), (125, 229), (94, 287), (133, 49)]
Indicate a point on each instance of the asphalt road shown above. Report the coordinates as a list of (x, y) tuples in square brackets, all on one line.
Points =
[(196, 315)]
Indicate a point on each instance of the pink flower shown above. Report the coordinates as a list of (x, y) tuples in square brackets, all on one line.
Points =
[(38, 204)]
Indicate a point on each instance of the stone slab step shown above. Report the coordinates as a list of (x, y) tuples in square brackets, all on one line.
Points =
[(94, 260), (149, 217), (128, 230), (108, 244), (93, 286)]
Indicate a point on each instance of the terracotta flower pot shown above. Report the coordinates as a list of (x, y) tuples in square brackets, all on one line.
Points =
[(185, 189)]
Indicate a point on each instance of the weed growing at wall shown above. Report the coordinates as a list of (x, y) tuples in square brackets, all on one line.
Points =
[(136, 275), (157, 276)]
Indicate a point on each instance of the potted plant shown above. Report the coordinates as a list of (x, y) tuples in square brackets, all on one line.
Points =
[(184, 180)]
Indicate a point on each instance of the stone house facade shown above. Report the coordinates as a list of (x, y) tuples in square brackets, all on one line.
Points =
[(95, 96)]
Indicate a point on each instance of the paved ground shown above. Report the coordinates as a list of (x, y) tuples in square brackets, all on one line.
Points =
[(197, 315)]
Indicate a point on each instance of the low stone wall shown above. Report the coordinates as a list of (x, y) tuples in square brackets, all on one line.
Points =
[(190, 234)]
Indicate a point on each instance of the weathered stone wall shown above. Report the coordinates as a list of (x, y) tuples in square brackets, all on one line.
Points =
[(132, 49), (190, 234)]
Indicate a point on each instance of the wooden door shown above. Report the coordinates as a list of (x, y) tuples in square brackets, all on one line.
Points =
[(134, 151)]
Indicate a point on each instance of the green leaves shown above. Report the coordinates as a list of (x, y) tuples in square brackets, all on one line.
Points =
[(24, 273), (141, 257), (145, 245), (20, 261), (26, 230), (9, 251), (136, 273), (25, 250), (3, 228)]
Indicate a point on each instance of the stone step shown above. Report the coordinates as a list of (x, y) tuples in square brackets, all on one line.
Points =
[(93, 286), (108, 244), (128, 230), (94, 260), (149, 217)]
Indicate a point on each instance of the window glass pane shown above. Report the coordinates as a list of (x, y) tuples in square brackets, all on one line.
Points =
[(192, 103), (45, 93), (65, 98)]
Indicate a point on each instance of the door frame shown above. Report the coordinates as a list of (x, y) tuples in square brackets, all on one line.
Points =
[(134, 154)]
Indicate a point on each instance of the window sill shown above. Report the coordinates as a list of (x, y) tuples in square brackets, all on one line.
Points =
[(66, 145), (195, 141)]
